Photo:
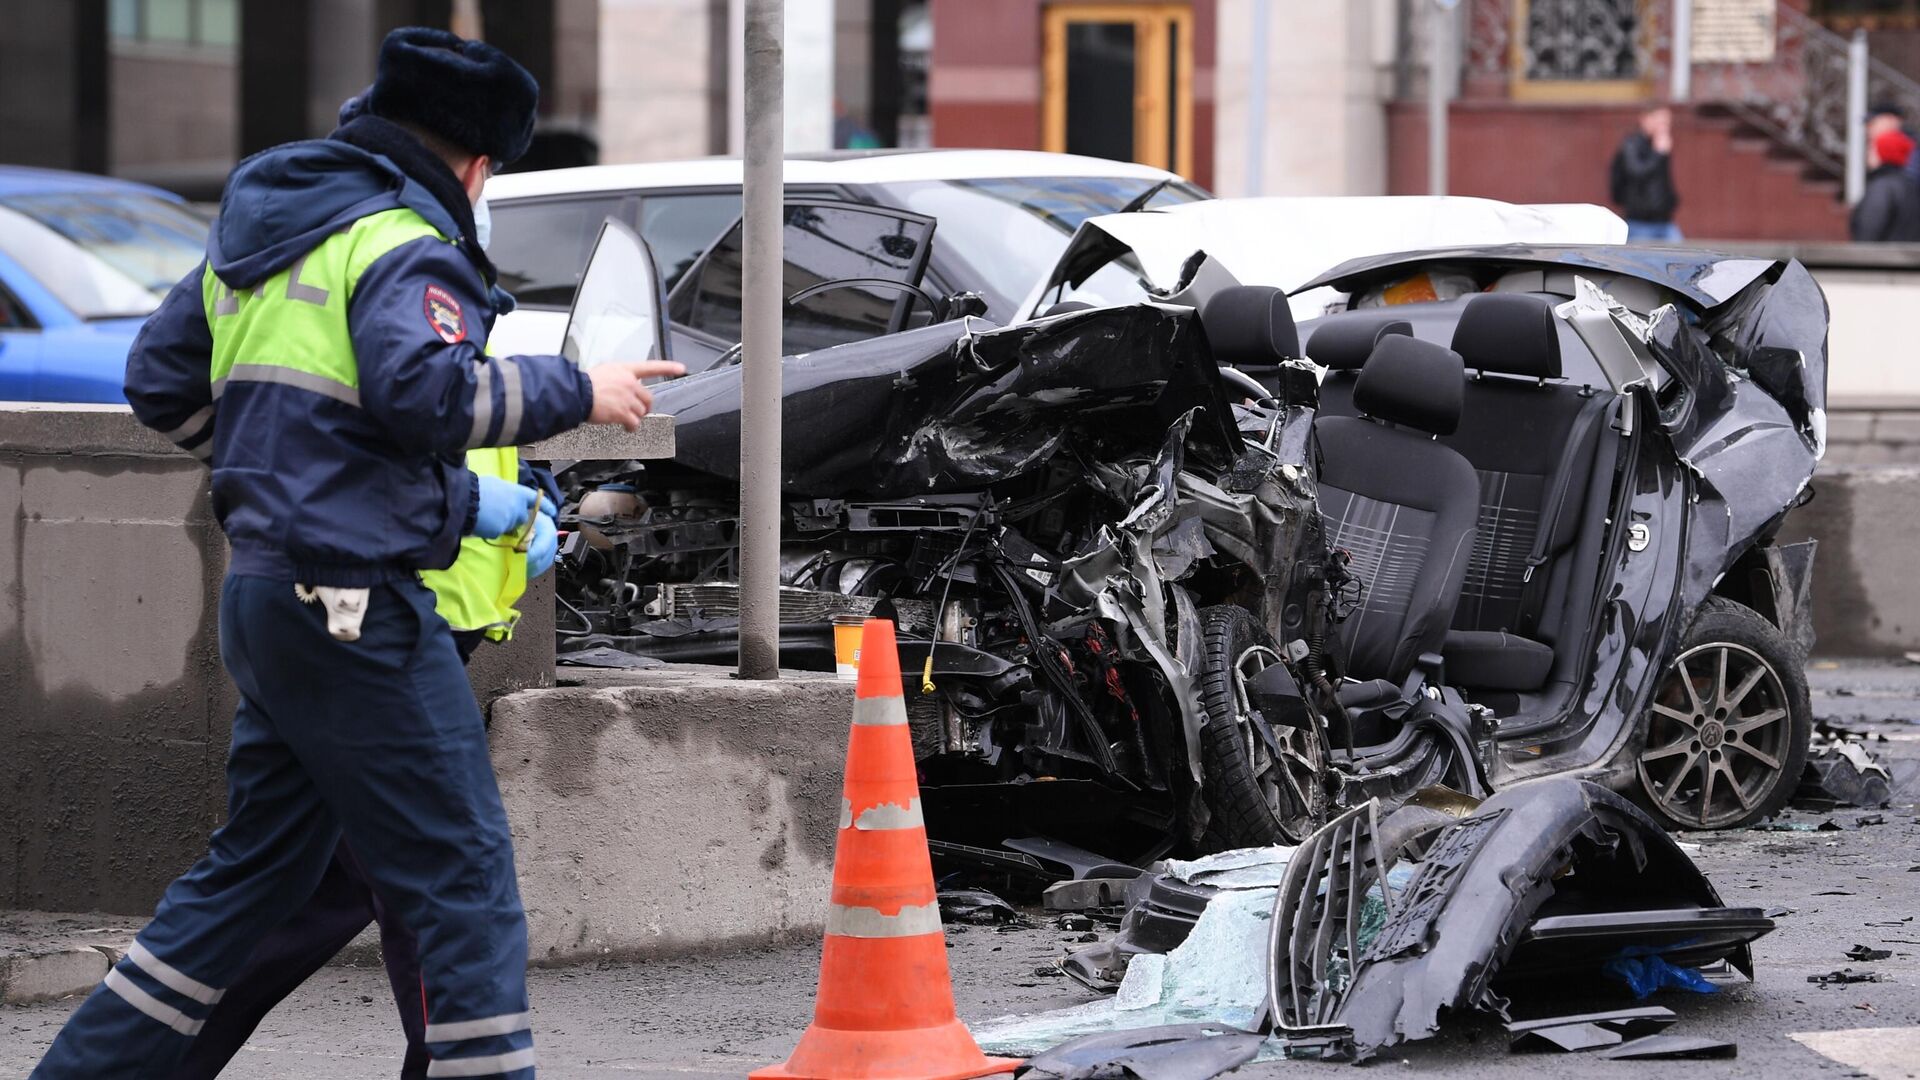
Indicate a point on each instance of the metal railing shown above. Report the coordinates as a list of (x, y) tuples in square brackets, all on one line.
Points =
[(1796, 95), (1799, 97)]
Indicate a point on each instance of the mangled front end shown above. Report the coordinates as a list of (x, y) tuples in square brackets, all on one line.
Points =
[(1046, 510)]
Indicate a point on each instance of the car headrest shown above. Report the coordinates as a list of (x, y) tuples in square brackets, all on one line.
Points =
[(1250, 324), (1412, 382), (1509, 334), (1343, 344)]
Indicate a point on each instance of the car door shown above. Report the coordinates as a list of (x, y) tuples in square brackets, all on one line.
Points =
[(880, 253), (540, 246), (615, 313)]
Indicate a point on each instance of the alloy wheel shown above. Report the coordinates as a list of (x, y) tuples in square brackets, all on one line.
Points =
[(1290, 782), (1717, 736)]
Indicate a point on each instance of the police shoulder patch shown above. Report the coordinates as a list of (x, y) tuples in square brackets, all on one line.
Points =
[(444, 315)]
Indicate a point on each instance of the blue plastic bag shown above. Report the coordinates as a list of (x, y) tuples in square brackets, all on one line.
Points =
[(1644, 970)]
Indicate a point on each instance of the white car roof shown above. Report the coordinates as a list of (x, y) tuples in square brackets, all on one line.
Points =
[(854, 168), (1287, 241)]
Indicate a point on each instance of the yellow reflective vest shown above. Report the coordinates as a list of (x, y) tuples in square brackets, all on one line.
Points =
[(480, 589)]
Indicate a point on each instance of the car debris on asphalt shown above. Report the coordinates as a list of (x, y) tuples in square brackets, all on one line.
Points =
[(1843, 772), (1380, 925), (1843, 976), (977, 907), (1586, 1031), (1657, 1047), (1861, 953)]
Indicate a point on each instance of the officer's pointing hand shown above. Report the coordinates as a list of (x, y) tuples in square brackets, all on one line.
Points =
[(618, 397)]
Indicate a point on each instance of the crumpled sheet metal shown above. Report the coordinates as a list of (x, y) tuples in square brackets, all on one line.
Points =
[(959, 405), (1481, 882)]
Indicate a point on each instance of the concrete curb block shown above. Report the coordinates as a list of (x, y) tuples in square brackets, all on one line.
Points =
[(1866, 596), (52, 975), (673, 810)]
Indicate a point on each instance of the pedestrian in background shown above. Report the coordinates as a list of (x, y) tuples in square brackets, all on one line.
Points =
[(1886, 116), (1641, 180), (1889, 207)]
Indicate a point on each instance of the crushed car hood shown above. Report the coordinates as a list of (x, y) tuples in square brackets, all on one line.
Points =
[(959, 405)]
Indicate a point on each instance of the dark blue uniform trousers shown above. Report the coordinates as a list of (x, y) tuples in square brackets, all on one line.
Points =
[(332, 917), (378, 740)]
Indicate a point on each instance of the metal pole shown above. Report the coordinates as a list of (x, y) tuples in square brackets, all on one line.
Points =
[(1257, 103), (1856, 117), (1682, 78), (1439, 88), (760, 306)]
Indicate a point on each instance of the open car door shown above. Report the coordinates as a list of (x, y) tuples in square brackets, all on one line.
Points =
[(852, 271), (616, 311)]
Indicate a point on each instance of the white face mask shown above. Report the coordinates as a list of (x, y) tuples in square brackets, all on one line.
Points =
[(482, 223)]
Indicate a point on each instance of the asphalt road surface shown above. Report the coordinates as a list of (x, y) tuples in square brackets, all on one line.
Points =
[(726, 1014)]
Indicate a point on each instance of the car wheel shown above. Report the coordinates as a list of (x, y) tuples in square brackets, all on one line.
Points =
[(1727, 732), (1257, 796)]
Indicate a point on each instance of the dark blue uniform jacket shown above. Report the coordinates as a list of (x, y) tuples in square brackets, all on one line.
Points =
[(322, 491)]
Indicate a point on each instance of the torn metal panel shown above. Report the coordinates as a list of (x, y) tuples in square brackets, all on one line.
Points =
[(1586, 1031), (1480, 882), (960, 405), (1671, 1047)]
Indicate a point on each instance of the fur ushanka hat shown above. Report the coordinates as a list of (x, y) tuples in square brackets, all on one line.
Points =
[(467, 92)]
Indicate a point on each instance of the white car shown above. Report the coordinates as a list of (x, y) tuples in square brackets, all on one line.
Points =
[(1003, 218)]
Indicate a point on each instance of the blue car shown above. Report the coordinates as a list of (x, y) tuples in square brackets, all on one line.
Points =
[(83, 261)]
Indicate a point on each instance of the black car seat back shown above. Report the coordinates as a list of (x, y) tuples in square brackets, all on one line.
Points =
[(1250, 327), (1341, 344), (1402, 504), (1531, 438)]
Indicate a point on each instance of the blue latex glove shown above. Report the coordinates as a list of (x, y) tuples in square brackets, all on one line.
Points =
[(504, 507), (544, 545)]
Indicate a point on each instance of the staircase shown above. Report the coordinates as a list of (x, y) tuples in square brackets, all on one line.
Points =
[(1790, 112), (1740, 180)]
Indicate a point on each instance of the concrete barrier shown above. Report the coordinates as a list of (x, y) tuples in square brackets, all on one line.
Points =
[(673, 809), (1866, 575), (114, 708)]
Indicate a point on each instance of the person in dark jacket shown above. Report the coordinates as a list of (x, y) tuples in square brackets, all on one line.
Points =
[(1889, 207), (1641, 180), (329, 361)]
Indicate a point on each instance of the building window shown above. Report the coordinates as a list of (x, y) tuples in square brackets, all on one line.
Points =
[(212, 23), (1581, 50)]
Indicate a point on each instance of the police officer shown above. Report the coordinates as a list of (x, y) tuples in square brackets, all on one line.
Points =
[(329, 361)]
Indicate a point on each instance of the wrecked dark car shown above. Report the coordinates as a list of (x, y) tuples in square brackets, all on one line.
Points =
[(1639, 422), (1160, 588)]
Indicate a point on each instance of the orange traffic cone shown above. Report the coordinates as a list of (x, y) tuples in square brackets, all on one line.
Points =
[(885, 1007)]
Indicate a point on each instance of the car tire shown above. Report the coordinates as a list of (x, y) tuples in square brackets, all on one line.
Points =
[(1255, 799), (1724, 740)]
